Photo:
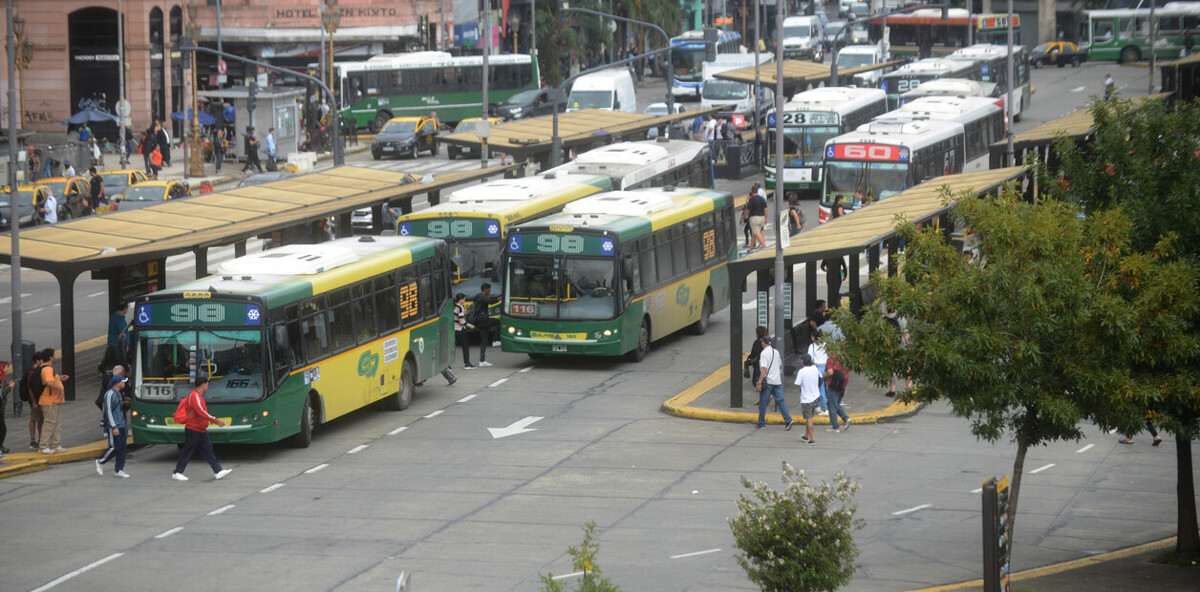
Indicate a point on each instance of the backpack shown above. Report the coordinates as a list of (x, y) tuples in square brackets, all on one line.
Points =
[(837, 381), (183, 411), (33, 379), (793, 227), (478, 312)]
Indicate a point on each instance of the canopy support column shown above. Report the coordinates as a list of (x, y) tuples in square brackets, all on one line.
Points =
[(66, 296)]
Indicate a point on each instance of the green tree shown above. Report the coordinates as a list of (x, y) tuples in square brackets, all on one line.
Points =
[(800, 539), (585, 561), (1039, 330), (1143, 161)]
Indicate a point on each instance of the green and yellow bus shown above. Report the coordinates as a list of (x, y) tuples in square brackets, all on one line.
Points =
[(616, 271), (294, 337), (474, 221)]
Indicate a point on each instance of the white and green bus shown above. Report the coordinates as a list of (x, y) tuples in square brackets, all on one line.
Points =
[(809, 120), (993, 67), (1123, 34), (647, 163), (909, 76), (410, 84), (615, 271), (294, 337)]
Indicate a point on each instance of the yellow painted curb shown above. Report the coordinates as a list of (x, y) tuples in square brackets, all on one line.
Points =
[(21, 468), (43, 461), (1062, 567), (680, 406)]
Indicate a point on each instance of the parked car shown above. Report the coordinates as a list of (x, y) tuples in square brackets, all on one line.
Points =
[(531, 103), (116, 181), (25, 207), (406, 135), (70, 193), (1058, 53), (148, 193), (467, 125), (260, 178)]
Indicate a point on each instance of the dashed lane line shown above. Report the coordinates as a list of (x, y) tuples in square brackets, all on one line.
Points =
[(910, 510), (316, 468), (693, 554), (1040, 469), (271, 488), (83, 569), (358, 449), (221, 510), (168, 533), (435, 414)]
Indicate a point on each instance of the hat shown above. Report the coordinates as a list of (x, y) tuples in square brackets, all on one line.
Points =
[(114, 381)]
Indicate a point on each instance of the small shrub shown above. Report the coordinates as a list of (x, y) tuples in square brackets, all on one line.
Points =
[(585, 561), (799, 539)]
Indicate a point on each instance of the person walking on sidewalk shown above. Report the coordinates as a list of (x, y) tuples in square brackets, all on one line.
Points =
[(114, 427), (251, 145), (164, 143), (808, 379), (770, 384), (835, 388), (219, 150), (51, 401), (271, 149), (196, 433)]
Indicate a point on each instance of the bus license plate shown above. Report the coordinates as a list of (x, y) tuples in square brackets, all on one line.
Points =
[(158, 392), (558, 348)]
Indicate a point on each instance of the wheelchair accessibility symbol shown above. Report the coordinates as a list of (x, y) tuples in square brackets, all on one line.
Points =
[(514, 244)]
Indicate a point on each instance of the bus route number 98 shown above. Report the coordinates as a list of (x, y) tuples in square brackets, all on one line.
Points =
[(553, 243), (452, 229), (191, 313)]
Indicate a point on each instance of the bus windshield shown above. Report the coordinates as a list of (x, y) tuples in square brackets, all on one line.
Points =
[(560, 287), (856, 180), (802, 146), (473, 262), (166, 358), (687, 64)]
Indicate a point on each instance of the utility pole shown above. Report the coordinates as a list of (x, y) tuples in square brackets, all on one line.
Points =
[(14, 213), (1008, 99), (780, 14), (487, 48)]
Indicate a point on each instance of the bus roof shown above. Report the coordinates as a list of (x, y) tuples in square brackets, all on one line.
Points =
[(514, 199), (929, 66), (836, 99), (961, 87), (1168, 9), (630, 162), (631, 214), (984, 51), (943, 108), (290, 273), (427, 59), (911, 134)]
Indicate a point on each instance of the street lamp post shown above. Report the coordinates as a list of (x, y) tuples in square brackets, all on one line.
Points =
[(514, 23), (196, 160), (23, 55), (833, 67), (14, 210), (330, 19)]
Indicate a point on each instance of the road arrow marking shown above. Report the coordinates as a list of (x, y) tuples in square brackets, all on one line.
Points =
[(517, 427), (1079, 89)]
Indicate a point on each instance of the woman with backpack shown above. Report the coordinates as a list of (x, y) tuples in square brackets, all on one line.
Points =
[(796, 219)]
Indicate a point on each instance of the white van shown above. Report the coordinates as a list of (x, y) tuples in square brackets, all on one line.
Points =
[(803, 37), (735, 97), (611, 90), (853, 56)]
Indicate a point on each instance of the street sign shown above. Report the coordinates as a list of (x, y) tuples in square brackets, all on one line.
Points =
[(221, 67), (124, 108)]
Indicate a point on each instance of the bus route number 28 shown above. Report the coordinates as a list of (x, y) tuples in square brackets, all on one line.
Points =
[(191, 313)]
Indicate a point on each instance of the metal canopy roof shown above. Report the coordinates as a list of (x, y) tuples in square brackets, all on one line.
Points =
[(797, 73), (209, 220), (858, 230), (1075, 125)]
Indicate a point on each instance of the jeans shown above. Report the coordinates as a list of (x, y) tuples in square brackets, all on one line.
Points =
[(772, 391), (464, 343), (116, 445), (835, 408), (485, 336), (822, 402), (192, 442)]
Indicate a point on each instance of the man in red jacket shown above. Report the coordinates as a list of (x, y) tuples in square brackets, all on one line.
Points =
[(196, 433)]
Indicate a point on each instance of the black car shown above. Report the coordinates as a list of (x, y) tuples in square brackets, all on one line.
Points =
[(406, 136), (531, 103)]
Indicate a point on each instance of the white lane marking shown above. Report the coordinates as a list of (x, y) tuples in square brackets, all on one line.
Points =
[(95, 294), (271, 488), (8, 299), (168, 533), (38, 309), (435, 414), (1079, 89), (85, 568), (526, 369), (1040, 469), (397, 430), (980, 490), (498, 383), (316, 468), (920, 507), (467, 398), (358, 449), (1084, 449), (221, 510), (565, 576), (695, 553)]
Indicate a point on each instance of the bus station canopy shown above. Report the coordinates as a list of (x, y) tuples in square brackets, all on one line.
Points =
[(798, 74), (851, 235), (580, 130), (1179, 77)]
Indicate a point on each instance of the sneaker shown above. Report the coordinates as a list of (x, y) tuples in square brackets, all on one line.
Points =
[(834, 430), (485, 363), (452, 382), (33, 444), (495, 344), (804, 438), (221, 473), (99, 468), (890, 394), (759, 426), (846, 426), (47, 451), (179, 476), (60, 449), (121, 474), (468, 366), (788, 425), (4, 450), (812, 442), (824, 412)]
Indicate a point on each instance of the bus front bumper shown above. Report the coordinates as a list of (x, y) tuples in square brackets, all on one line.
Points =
[(529, 345)]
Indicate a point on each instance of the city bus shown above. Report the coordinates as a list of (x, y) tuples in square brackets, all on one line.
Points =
[(647, 163), (1123, 34), (982, 120), (951, 87), (885, 157), (615, 271), (993, 67), (475, 220), (687, 58), (909, 76), (294, 337), (907, 32), (411, 84), (809, 120)]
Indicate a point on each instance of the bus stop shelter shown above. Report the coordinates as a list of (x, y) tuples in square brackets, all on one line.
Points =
[(798, 75), (1179, 77), (130, 248), (865, 230)]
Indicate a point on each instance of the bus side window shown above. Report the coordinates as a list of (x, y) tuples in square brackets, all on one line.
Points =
[(646, 258), (341, 323), (286, 345), (679, 259), (662, 257), (364, 313), (695, 252), (387, 304), (425, 290), (314, 337), (633, 279)]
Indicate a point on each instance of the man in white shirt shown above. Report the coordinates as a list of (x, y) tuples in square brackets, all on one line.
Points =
[(816, 349), (808, 379), (50, 208), (710, 129), (770, 384)]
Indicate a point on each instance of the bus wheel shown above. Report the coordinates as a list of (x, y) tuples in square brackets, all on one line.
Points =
[(643, 345), (308, 419), (380, 120), (700, 327), (400, 400), (1131, 54)]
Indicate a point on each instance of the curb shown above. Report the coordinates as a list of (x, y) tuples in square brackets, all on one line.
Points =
[(29, 462), (680, 406)]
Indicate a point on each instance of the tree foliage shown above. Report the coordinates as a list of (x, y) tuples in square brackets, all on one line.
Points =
[(1041, 328), (592, 579), (799, 539)]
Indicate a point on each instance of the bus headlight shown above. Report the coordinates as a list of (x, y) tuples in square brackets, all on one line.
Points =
[(512, 330), (608, 332)]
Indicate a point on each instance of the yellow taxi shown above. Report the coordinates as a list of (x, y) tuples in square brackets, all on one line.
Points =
[(70, 192), (409, 136), (28, 198), (468, 125), (116, 181), (148, 193), (1058, 53)]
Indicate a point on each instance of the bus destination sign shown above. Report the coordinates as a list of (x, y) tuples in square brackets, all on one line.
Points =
[(189, 313), (451, 228), (562, 244), (880, 152)]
